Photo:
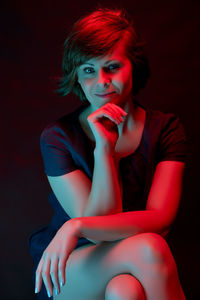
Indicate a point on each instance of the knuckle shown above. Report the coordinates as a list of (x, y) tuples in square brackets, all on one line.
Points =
[(90, 118), (38, 272), (44, 273), (52, 272), (44, 255)]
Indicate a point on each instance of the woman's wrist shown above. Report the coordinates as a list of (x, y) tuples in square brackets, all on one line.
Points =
[(104, 151), (76, 225)]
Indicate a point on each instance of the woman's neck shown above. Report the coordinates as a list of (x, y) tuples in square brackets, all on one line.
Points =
[(131, 109)]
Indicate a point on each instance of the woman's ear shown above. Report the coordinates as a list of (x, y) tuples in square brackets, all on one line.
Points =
[(77, 79)]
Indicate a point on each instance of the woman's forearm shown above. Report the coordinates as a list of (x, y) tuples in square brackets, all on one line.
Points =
[(121, 225), (105, 196)]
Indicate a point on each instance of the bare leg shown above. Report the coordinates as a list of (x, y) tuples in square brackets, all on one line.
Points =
[(145, 256), (124, 287)]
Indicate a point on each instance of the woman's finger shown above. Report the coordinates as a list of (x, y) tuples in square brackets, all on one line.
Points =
[(61, 269), (38, 277), (54, 274), (103, 114), (115, 115), (115, 110), (112, 117), (46, 275)]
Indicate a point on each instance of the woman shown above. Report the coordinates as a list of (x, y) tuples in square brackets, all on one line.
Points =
[(115, 169)]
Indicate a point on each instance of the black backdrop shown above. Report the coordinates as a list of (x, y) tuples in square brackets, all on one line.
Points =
[(32, 34)]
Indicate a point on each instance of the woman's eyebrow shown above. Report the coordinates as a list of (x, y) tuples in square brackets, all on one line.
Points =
[(106, 63), (86, 63), (111, 60)]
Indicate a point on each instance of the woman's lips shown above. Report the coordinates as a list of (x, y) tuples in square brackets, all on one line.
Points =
[(105, 95)]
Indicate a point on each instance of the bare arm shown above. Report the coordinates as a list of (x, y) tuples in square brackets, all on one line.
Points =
[(76, 193), (102, 196), (162, 207), (105, 196)]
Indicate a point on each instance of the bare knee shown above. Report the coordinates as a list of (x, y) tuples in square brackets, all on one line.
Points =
[(156, 254), (124, 287), (155, 249)]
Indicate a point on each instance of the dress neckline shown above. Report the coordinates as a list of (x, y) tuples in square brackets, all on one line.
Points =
[(142, 137)]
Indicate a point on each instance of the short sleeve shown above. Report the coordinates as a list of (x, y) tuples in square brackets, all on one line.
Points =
[(172, 142), (57, 158)]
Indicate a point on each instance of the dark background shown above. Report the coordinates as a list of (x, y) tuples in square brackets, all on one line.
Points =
[(32, 34)]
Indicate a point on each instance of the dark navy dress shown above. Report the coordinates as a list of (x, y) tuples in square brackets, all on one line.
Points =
[(65, 147)]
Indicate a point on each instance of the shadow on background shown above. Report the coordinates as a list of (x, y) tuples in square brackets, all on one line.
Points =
[(32, 35)]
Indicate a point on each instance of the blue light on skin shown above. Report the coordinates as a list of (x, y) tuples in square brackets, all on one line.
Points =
[(107, 79)]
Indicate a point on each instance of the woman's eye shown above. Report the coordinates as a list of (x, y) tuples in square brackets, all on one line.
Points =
[(88, 70), (113, 67)]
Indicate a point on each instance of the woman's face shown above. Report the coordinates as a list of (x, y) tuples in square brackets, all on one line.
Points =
[(107, 79)]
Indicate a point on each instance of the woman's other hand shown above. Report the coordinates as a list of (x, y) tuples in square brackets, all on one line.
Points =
[(51, 268), (104, 125)]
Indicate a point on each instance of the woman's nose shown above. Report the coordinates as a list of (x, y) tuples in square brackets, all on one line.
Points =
[(103, 78)]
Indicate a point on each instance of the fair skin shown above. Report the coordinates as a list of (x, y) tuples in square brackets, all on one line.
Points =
[(127, 249)]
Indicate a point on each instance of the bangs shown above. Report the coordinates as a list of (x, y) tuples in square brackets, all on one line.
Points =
[(96, 35), (98, 43)]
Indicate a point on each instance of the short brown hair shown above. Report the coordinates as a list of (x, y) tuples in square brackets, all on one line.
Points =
[(95, 35)]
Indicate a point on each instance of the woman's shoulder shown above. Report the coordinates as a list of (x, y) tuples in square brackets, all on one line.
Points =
[(64, 125), (161, 125), (157, 119), (159, 115)]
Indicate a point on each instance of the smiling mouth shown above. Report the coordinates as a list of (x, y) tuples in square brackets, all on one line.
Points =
[(105, 95)]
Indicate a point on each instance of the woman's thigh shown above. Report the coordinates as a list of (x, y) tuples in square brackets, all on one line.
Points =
[(90, 268)]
